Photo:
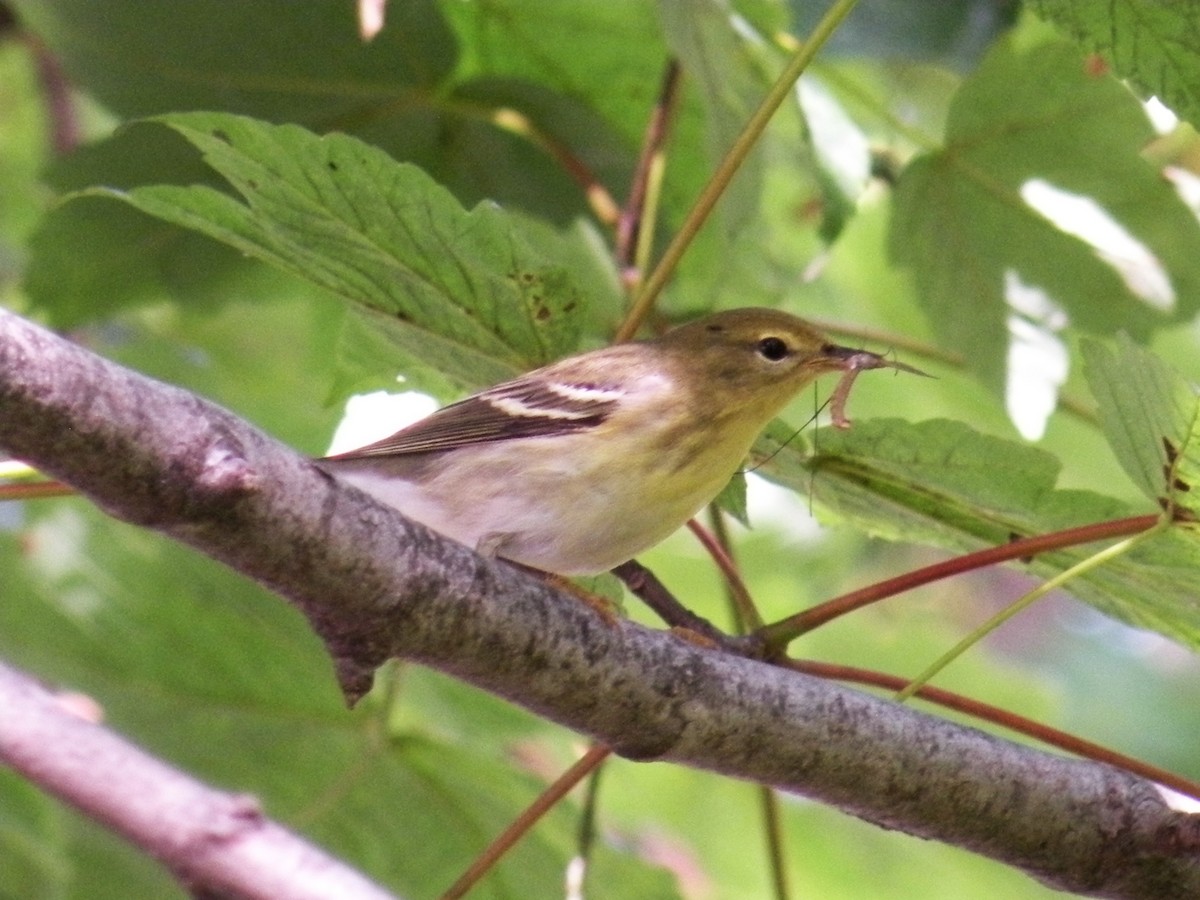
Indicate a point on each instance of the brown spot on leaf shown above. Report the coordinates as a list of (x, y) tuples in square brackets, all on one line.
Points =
[(1170, 449), (1095, 66), (1186, 516)]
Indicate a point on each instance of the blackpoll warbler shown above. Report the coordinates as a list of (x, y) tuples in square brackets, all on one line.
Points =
[(576, 467)]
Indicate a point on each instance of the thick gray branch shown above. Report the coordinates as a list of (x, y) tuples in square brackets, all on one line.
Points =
[(375, 585)]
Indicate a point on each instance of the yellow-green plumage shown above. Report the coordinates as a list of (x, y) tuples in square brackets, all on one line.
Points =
[(578, 466)]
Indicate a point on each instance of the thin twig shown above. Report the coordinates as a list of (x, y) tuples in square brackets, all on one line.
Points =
[(773, 826), (1096, 560), (66, 132), (746, 618), (698, 214), (645, 585), (562, 786), (588, 816), (632, 218), (599, 199), (34, 490)]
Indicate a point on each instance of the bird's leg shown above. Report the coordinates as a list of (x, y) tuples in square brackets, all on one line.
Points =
[(602, 606), (492, 544)]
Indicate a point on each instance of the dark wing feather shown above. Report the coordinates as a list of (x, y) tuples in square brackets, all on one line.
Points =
[(526, 407)]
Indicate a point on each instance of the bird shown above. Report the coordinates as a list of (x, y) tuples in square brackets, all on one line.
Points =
[(578, 466)]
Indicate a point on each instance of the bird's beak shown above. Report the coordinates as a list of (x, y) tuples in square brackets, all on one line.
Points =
[(852, 359)]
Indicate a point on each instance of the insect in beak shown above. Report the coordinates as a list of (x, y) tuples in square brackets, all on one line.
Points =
[(853, 363)]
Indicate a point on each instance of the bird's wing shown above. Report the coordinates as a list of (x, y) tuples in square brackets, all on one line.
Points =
[(532, 406)]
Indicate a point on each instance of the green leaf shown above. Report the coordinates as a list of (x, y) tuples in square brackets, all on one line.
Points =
[(555, 45), (732, 499), (271, 59), (954, 32), (306, 64), (840, 150), (482, 294), (937, 482), (941, 483), (92, 258), (401, 93), (407, 91), (1033, 139), (536, 161), (618, 78), (1151, 417), (1152, 44), (733, 74), (23, 153)]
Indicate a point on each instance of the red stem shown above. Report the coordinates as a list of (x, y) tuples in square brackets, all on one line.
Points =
[(738, 591), (561, 786), (33, 490), (657, 131), (779, 634)]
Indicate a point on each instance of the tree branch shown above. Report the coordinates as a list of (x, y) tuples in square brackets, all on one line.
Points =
[(220, 843), (375, 585)]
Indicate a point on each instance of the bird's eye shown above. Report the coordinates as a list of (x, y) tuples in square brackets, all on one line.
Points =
[(772, 348)]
